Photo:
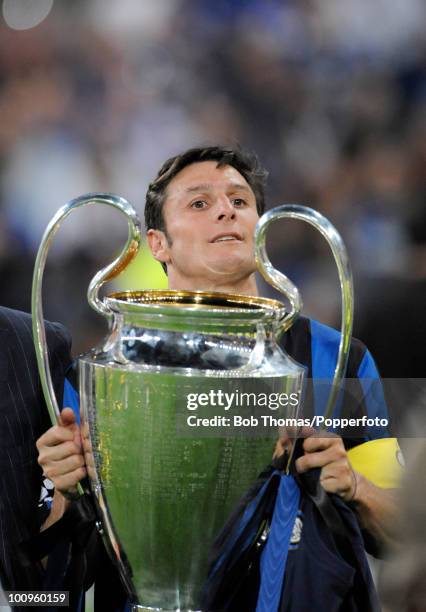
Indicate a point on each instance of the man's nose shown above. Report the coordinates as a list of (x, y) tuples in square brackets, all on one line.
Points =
[(225, 209)]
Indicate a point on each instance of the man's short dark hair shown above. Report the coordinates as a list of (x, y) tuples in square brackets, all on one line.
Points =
[(246, 163)]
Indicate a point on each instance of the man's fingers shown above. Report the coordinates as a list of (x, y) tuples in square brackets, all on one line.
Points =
[(58, 452), (319, 459), (339, 478), (67, 417), (55, 435), (65, 466), (69, 481), (66, 429), (287, 437), (327, 451), (283, 444), (337, 470)]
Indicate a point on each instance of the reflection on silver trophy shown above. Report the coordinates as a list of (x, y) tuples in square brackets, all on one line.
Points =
[(163, 491)]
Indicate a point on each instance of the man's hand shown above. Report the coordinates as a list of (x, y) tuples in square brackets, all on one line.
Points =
[(376, 507), (328, 453), (61, 454)]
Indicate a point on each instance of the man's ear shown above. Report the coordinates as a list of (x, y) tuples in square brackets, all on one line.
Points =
[(158, 245)]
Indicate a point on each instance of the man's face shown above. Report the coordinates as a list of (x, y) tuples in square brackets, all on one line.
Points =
[(210, 216)]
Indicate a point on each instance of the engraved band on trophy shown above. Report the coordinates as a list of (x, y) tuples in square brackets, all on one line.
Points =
[(163, 496)]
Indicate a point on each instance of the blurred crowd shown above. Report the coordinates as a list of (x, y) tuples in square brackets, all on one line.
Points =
[(330, 95)]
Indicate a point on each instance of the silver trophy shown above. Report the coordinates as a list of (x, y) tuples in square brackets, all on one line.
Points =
[(162, 486)]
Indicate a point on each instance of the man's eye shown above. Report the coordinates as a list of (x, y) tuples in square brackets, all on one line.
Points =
[(198, 204), (238, 202)]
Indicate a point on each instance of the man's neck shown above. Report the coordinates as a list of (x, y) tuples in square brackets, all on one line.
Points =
[(245, 286)]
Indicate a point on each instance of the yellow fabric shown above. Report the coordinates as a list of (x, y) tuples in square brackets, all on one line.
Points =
[(144, 272), (379, 461)]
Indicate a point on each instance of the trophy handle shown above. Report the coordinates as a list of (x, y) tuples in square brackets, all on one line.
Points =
[(286, 287), (107, 273)]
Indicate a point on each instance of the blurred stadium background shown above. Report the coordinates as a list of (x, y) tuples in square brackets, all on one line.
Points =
[(95, 94)]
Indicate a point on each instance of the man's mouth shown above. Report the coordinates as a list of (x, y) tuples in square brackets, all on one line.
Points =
[(227, 237)]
